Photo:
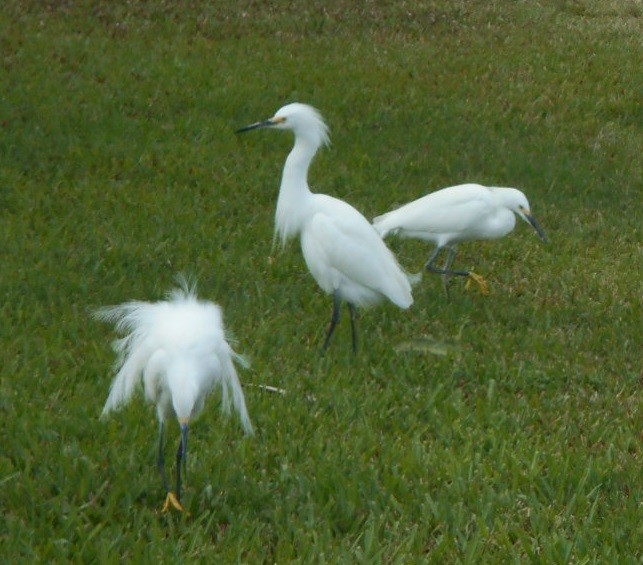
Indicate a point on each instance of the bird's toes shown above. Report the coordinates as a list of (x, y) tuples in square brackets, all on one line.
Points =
[(480, 281), (171, 501)]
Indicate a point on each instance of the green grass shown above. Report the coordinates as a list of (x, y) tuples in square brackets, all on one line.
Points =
[(119, 168)]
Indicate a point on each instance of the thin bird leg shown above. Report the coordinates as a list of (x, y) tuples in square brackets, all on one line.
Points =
[(160, 461), (431, 267), (434, 256), (447, 265), (181, 458), (351, 309), (337, 302), (173, 500)]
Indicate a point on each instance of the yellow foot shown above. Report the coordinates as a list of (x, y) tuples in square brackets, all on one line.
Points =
[(482, 284), (172, 502)]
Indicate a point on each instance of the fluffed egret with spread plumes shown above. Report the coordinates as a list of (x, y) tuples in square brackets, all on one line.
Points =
[(178, 349), (343, 252), (466, 212)]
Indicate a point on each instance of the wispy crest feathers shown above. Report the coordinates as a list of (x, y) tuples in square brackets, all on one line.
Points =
[(320, 127)]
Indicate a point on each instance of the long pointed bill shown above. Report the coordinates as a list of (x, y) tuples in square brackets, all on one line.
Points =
[(534, 224), (258, 125), (264, 124)]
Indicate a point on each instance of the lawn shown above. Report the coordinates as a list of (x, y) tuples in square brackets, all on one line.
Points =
[(495, 429)]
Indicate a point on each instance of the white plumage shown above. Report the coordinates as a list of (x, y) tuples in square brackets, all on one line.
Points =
[(178, 349), (460, 213), (343, 252)]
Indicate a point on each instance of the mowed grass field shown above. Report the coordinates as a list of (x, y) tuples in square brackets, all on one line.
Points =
[(493, 429)]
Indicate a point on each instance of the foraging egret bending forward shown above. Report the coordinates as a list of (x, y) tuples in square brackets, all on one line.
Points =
[(449, 216), (344, 254), (178, 348)]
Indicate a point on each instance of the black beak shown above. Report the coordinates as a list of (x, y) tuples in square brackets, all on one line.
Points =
[(534, 224), (258, 125)]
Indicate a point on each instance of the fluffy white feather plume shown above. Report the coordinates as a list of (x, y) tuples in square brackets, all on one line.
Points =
[(178, 349)]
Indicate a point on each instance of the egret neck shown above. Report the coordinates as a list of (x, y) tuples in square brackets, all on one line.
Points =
[(294, 194)]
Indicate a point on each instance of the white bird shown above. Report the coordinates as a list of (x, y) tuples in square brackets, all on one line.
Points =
[(178, 349), (466, 212), (343, 252)]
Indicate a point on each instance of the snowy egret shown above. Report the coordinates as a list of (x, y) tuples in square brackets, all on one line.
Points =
[(343, 252), (460, 213), (178, 349)]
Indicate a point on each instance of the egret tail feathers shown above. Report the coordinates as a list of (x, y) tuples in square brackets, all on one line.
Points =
[(123, 386), (385, 224), (414, 278), (400, 284), (130, 357), (231, 387)]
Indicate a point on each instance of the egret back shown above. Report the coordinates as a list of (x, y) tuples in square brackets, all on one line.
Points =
[(442, 217), (180, 347)]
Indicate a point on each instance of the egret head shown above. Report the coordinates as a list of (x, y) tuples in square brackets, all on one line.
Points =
[(517, 202), (303, 120)]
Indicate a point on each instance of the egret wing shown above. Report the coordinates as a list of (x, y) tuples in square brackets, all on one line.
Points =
[(340, 246), (450, 210)]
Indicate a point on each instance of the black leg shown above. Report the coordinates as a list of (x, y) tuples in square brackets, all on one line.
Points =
[(337, 302), (181, 458), (351, 309), (431, 267), (434, 256), (447, 265), (160, 461)]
